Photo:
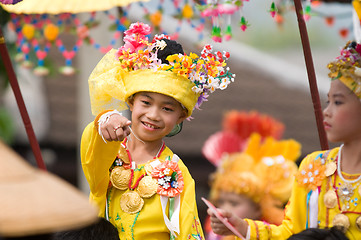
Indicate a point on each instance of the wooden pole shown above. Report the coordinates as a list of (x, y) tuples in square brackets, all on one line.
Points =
[(311, 75), (20, 101)]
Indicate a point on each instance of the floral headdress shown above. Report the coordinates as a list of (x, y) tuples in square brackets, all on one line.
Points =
[(136, 67), (347, 67), (246, 171)]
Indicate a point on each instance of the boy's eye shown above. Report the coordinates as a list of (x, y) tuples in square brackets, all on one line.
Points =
[(168, 109), (338, 102), (145, 102)]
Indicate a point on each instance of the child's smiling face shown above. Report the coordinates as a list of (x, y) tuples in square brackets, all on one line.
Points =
[(154, 115), (342, 116)]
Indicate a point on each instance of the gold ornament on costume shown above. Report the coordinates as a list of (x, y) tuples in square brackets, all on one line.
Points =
[(122, 154), (119, 177), (147, 187), (330, 199), (345, 192), (341, 222), (330, 168), (131, 202), (148, 169)]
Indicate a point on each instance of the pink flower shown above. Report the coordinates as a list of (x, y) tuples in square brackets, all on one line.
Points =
[(227, 8), (170, 178), (134, 42), (208, 12), (138, 28)]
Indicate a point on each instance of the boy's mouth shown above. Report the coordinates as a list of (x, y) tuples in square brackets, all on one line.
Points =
[(150, 125)]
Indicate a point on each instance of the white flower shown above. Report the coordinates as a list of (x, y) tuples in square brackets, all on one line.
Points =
[(197, 89), (161, 181), (166, 185), (161, 44), (166, 171)]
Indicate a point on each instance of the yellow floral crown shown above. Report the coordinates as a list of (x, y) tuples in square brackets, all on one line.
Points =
[(135, 67), (347, 67)]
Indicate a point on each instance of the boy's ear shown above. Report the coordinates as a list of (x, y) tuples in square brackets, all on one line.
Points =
[(182, 117), (131, 103)]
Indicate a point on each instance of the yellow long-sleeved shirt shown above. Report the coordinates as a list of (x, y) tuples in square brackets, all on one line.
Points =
[(97, 157), (297, 209)]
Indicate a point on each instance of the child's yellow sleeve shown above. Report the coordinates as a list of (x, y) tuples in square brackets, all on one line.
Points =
[(295, 214), (96, 159)]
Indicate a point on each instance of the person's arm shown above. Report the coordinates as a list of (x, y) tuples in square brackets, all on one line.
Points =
[(96, 159), (189, 220), (294, 221)]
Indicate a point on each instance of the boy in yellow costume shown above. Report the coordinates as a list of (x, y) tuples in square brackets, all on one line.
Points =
[(327, 190), (245, 152), (138, 183)]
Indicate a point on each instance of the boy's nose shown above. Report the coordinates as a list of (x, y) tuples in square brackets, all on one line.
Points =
[(153, 114)]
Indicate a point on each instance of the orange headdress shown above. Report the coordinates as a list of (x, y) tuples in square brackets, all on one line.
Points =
[(246, 171)]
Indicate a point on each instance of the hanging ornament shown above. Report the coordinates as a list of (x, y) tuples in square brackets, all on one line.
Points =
[(28, 31), (344, 32), (51, 32), (228, 33), (243, 24), (187, 11), (156, 18), (279, 19), (216, 34), (307, 13), (330, 20), (316, 3), (273, 10)]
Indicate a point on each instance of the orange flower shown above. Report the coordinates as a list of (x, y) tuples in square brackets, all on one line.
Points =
[(311, 175), (170, 178)]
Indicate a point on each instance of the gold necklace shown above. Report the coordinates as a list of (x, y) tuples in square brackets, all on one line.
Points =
[(122, 177)]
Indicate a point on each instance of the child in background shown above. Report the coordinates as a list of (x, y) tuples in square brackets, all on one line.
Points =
[(327, 190), (245, 153), (138, 183)]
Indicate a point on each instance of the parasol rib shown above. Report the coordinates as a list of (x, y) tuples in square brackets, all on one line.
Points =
[(20, 101), (311, 75)]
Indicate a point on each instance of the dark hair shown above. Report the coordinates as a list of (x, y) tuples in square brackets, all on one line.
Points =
[(319, 234), (101, 230), (172, 48)]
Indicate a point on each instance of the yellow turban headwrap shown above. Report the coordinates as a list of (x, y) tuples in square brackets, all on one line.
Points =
[(135, 67), (347, 67), (110, 86)]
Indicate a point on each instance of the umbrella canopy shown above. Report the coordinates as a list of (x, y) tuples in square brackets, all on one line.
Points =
[(64, 6), (45, 202)]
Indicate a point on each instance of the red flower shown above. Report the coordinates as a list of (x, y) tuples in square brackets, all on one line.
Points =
[(358, 48)]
